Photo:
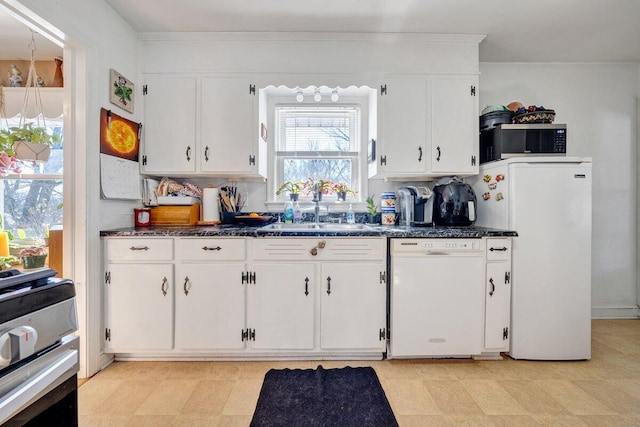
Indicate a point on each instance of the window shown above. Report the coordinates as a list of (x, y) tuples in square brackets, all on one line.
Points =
[(318, 142), (31, 201)]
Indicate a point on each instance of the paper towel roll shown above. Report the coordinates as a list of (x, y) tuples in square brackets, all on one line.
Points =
[(210, 206)]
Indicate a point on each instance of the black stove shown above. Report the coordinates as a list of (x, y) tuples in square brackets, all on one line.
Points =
[(38, 351)]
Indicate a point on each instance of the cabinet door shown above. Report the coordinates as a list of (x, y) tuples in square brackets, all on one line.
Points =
[(402, 129), (497, 306), (353, 306), (229, 126), (210, 306), (169, 125), (140, 307), (282, 307), (453, 125)]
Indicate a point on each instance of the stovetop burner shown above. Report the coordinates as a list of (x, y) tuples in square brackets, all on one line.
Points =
[(13, 279)]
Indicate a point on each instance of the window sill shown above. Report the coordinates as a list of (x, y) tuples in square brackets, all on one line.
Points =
[(332, 205)]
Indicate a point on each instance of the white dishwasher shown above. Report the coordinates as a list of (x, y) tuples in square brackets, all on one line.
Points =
[(436, 297)]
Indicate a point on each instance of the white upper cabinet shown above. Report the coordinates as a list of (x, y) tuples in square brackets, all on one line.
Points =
[(202, 126), (169, 125), (229, 126), (402, 127), (427, 127), (453, 130)]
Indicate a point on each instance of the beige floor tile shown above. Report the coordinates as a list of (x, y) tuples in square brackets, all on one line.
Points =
[(576, 400), (195, 421), (126, 399), (243, 397), (167, 398), (630, 387), (610, 421), (608, 393), (621, 343), (410, 397), (150, 420), (537, 421), (451, 398), (492, 399), (103, 421), (422, 420), (94, 393), (533, 398), (208, 398), (234, 420)]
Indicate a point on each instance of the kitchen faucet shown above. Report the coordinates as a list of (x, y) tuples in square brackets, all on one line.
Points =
[(316, 200)]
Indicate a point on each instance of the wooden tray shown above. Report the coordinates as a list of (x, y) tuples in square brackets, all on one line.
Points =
[(175, 215)]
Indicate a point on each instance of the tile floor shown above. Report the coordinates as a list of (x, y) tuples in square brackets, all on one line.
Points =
[(604, 391)]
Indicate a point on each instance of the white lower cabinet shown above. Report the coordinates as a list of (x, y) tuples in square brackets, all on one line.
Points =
[(353, 306), (140, 307), (497, 295), (281, 306), (245, 297), (210, 306), (139, 294)]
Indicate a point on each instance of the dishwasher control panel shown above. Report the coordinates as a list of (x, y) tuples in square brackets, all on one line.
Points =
[(419, 245)]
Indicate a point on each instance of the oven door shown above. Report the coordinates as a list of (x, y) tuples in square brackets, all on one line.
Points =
[(44, 386)]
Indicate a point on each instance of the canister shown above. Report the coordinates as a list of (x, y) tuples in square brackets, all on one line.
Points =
[(142, 217), (388, 201), (388, 218)]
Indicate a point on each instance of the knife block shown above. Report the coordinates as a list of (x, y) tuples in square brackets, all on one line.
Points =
[(175, 215)]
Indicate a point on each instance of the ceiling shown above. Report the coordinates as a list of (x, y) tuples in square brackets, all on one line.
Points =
[(529, 31)]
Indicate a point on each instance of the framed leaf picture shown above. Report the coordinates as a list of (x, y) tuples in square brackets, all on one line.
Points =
[(121, 91)]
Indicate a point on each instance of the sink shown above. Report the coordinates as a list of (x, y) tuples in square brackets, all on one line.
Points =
[(311, 227)]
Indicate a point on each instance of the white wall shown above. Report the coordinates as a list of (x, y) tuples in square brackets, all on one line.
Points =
[(96, 40), (598, 102)]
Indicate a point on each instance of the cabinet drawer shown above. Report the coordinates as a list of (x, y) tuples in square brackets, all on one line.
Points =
[(139, 249), (198, 249), (498, 249), (325, 249)]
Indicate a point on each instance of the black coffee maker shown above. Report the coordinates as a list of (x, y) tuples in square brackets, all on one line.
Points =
[(454, 203), (415, 208)]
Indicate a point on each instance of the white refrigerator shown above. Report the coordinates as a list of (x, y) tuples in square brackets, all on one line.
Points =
[(547, 201)]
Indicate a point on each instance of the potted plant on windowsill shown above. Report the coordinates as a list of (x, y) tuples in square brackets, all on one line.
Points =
[(342, 189), (28, 143), (293, 188), (324, 187)]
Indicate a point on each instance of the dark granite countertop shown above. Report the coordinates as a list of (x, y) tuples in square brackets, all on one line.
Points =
[(226, 230)]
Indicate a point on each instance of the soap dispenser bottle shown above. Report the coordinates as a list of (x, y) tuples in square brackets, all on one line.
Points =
[(351, 216), (288, 212), (297, 213)]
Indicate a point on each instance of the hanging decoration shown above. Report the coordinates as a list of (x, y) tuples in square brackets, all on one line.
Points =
[(29, 141)]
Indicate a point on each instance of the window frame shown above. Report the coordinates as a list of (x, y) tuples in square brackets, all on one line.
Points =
[(359, 164)]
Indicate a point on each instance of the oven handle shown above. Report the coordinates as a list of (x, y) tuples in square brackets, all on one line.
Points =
[(29, 391)]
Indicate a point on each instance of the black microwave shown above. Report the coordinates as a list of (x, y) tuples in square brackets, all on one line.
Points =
[(515, 140)]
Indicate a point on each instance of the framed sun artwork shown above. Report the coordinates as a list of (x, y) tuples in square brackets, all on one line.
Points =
[(119, 137), (121, 91)]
